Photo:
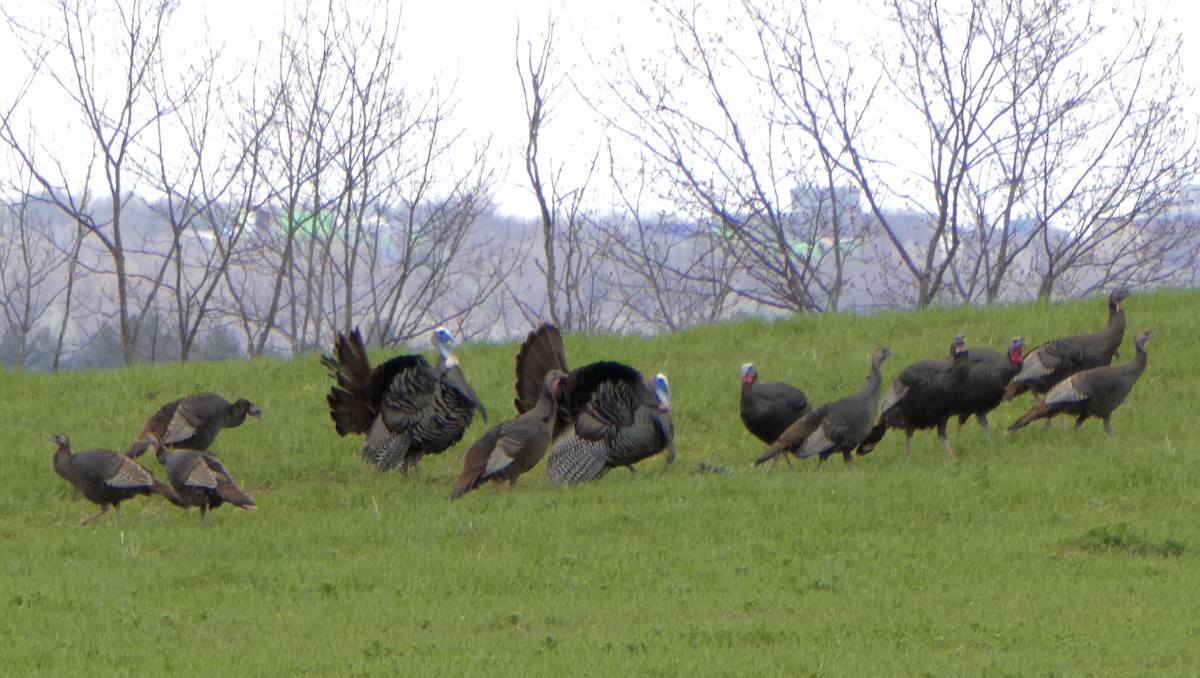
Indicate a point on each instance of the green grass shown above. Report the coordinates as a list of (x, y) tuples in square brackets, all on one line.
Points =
[(1045, 553)]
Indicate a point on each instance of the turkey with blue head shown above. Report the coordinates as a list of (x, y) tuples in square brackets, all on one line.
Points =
[(405, 407), (608, 416)]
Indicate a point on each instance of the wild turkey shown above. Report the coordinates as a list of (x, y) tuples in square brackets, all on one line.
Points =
[(922, 396), (1057, 359), (576, 459), (106, 478), (769, 407), (608, 415), (837, 426), (1092, 393), (513, 447), (988, 376), (199, 479), (406, 407), (193, 422)]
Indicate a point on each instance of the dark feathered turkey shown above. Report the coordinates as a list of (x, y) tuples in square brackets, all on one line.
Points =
[(199, 479), (988, 376), (406, 407), (837, 426), (1057, 359), (193, 422), (608, 415), (576, 459), (922, 396), (1092, 393), (769, 407), (105, 477), (511, 448)]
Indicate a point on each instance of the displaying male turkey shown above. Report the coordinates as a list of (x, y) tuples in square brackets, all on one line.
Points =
[(576, 459), (105, 477), (193, 422), (922, 396), (199, 479), (769, 407), (406, 407), (1092, 393), (608, 415), (1057, 359), (513, 447), (837, 426), (988, 376)]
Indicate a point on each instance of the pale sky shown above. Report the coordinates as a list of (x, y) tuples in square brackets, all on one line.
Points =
[(472, 42)]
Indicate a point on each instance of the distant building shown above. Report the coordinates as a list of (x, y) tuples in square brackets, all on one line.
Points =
[(1186, 204), (814, 199)]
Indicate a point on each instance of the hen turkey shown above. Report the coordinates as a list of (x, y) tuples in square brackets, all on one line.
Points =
[(922, 396), (106, 478), (200, 479), (1057, 359), (837, 426), (193, 422), (1097, 392), (513, 447)]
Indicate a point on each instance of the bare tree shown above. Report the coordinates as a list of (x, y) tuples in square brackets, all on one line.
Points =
[(30, 275), (669, 273), (108, 66), (371, 195), (1032, 126), (716, 121), (577, 282), (205, 179)]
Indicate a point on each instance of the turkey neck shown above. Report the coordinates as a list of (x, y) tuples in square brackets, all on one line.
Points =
[(870, 388), (547, 406), (62, 461), (1116, 326), (1138, 364), (960, 366)]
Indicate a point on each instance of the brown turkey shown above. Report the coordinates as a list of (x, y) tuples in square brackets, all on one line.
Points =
[(106, 478), (988, 376), (837, 426), (609, 416), (922, 396), (513, 447), (199, 479), (193, 422), (1092, 393), (1057, 359), (406, 407), (769, 407)]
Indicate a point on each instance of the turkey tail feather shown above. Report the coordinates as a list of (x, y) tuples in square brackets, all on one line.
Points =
[(1036, 412), (868, 444), (475, 463), (163, 490), (541, 352), (235, 495)]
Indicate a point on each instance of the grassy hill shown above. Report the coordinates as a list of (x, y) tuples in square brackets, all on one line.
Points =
[(1047, 552)]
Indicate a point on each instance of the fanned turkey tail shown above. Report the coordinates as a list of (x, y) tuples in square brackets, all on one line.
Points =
[(541, 352), (350, 403)]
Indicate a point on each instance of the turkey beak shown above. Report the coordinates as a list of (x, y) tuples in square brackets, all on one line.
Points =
[(255, 412)]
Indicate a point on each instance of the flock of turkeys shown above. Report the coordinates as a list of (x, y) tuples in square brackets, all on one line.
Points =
[(606, 415)]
